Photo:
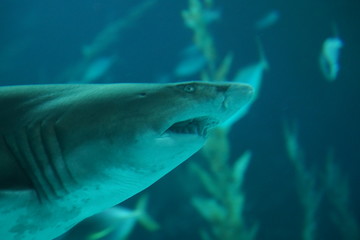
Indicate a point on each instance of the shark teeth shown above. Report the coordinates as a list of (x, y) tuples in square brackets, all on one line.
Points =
[(198, 126)]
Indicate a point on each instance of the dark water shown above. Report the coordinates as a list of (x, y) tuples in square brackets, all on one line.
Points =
[(42, 42)]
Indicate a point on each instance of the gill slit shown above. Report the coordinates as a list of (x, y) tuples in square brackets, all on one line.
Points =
[(19, 155), (41, 160), (54, 151), (39, 154), (61, 154)]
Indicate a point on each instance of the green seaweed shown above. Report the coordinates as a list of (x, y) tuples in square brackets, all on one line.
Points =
[(313, 189), (222, 179)]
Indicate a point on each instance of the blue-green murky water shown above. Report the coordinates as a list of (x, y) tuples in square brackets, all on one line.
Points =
[(107, 41)]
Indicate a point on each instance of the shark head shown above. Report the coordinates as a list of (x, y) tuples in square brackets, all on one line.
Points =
[(144, 130), (178, 117), (136, 133)]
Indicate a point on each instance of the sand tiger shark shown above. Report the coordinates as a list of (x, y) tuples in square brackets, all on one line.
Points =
[(68, 152)]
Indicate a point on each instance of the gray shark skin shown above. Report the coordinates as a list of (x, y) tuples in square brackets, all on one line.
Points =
[(70, 151)]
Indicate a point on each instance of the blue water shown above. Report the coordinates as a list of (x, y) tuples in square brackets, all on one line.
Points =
[(42, 41)]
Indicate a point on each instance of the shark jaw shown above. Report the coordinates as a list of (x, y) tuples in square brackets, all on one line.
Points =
[(196, 126), (179, 141)]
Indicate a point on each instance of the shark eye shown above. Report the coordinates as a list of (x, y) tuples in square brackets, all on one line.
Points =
[(189, 88)]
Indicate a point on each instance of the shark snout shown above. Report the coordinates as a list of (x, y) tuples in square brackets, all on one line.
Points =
[(236, 96)]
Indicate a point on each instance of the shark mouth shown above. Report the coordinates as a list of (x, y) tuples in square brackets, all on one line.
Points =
[(197, 126)]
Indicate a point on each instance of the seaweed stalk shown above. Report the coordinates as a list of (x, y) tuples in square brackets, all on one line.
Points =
[(338, 193), (310, 197), (223, 208)]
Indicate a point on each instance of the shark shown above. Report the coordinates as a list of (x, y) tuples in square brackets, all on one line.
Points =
[(69, 151)]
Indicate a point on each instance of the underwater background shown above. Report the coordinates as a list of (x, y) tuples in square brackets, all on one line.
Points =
[(287, 169)]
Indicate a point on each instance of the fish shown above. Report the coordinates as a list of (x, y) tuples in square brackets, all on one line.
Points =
[(329, 58), (97, 69), (115, 223), (268, 20), (69, 151), (192, 62)]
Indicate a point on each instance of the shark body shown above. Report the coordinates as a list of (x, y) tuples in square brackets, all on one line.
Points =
[(70, 151)]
